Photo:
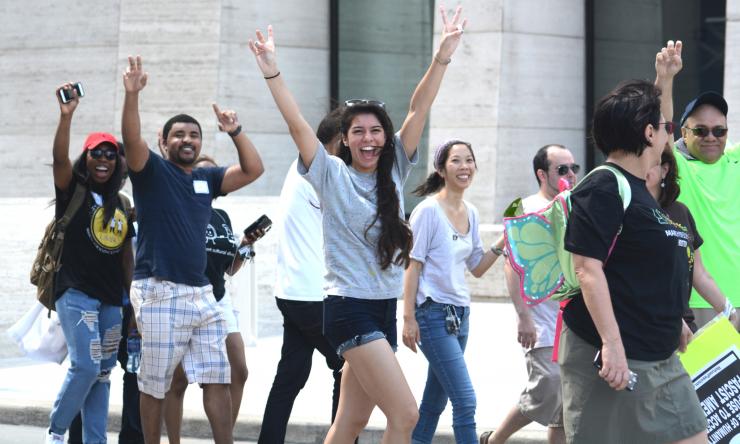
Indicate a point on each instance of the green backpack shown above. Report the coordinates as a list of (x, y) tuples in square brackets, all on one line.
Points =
[(535, 246)]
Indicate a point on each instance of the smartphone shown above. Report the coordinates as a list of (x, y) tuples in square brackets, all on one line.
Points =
[(67, 97), (633, 376), (262, 223)]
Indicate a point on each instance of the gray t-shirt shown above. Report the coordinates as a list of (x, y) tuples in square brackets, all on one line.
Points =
[(348, 206), (445, 253)]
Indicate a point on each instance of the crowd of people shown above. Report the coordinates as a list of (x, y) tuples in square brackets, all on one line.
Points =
[(346, 254)]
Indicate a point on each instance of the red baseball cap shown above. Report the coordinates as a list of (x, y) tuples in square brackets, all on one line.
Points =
[(95, 139)]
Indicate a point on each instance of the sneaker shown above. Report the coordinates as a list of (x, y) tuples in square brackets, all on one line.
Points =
[(53, 438)]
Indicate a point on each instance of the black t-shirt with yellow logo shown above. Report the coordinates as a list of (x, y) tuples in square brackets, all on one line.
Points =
[(92, 260)]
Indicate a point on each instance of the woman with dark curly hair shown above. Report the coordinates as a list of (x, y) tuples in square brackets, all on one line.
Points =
[(662, 182), (97, 266), (366, 240)]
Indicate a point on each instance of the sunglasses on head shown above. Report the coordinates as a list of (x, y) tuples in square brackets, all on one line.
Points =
[(353, 102), (563, 169), (97, 153), (703, 131)]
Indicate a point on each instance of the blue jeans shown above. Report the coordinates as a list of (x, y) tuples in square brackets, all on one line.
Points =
[(92, 330), (448, 374)]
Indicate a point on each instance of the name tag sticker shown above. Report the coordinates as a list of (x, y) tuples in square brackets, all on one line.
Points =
[(200, 187)]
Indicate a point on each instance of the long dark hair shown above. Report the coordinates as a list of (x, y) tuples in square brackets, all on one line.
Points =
[(434, 181), (110, 188), (672, 189), (395, 234)]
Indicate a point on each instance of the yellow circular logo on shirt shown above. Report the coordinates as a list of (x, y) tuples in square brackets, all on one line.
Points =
[(111, 235)]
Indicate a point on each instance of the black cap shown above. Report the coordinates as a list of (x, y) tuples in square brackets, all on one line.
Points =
[(707, 98)]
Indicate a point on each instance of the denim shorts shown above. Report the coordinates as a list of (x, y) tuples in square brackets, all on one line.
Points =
[(351, 322)]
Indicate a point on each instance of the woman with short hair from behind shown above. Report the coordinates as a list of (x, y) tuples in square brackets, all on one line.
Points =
[(632, 268)]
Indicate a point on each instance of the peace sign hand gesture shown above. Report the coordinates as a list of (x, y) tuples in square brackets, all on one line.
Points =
[(264, 52), (134, 79), (452, 31), (668, 61), (227, 120)]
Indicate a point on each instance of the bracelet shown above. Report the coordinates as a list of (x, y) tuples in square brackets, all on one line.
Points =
[(272, 77), (729, 309), (443, 63), (235, 132), (497, 251)]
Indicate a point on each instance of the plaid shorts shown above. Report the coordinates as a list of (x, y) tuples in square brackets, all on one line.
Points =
[(179, 323)]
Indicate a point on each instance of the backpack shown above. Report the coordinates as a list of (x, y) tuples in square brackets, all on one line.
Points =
[(536, 251), (48, 259)]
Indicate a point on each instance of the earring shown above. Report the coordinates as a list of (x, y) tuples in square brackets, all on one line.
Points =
[(662, 183)]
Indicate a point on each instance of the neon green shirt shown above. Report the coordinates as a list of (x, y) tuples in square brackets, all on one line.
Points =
[(712, 193)]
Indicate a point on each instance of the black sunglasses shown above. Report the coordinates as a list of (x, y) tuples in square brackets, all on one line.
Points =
[(563, 169), (703, 131), (353, 102), (97, 153), (669, 126)]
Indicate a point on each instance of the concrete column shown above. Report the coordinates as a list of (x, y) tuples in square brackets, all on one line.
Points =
[(516, 84), (732, 68)]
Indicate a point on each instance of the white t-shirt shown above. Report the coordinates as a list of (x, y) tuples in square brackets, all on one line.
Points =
[(300, 256), (545, 314), (445, 253)]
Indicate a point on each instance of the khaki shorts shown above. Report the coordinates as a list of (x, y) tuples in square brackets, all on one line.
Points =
[(541, 400), (178, 321), (662, 408)]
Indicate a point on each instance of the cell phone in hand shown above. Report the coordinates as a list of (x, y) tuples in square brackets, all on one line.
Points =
[(66, 96), (262, 223), (633, 376)]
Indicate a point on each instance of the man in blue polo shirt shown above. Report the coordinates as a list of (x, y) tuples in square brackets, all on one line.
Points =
[(174, 304)]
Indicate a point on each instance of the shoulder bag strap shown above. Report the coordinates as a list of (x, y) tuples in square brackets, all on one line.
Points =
[(74, 204)]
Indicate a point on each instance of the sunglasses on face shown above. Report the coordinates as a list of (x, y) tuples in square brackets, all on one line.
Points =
[(703, 131), (97, 153), (353, 102), (669, 126), (563, 169)]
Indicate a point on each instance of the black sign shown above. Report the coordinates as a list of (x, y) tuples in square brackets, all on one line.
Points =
[(718, 387)]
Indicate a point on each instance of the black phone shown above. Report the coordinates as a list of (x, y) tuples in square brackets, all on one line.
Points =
[(65, 95), (262, 223), (633, 376)]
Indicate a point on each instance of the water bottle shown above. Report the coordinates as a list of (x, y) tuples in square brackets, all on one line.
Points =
[(133, 348)]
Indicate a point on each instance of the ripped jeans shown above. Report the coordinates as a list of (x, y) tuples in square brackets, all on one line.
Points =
[(92, 330)]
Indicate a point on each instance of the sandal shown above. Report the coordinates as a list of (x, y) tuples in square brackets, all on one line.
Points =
[(484, 437)]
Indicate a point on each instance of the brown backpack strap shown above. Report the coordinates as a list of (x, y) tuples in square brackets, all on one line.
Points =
[(74, 204)]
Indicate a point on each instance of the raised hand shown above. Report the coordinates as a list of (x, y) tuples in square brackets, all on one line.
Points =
[(264, 52), (134, 79), (452, 31), (69, 107), (668, 60), (227, 120)]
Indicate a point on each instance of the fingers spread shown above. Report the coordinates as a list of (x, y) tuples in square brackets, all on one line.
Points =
[(443, 14)]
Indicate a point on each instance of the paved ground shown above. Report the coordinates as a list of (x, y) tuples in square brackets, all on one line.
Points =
[(18, 434), (27, 389)]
